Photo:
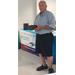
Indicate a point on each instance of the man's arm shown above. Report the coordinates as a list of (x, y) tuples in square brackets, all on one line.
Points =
[(47, 27), (43, 27)]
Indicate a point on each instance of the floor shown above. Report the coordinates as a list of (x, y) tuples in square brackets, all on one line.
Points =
[(27, 64)]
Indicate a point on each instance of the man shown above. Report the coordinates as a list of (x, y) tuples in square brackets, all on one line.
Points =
[(44, 38)]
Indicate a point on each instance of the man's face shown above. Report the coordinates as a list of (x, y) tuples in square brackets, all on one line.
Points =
[(42, 6)]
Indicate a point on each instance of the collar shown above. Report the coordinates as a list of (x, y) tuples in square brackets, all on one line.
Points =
[(43, 13)]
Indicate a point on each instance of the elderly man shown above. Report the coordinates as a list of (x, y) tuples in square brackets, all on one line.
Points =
[(44, 38)]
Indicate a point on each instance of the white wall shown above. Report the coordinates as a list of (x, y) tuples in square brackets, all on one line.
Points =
[(51, 6), (26, 12)]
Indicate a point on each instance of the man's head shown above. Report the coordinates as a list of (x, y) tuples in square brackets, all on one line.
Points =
[(42, 6)]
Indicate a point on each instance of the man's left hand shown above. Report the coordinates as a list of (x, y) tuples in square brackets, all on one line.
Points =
[(38, 28)]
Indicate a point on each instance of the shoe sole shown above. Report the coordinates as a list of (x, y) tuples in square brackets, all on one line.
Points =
[(42, 69), (52, 72)]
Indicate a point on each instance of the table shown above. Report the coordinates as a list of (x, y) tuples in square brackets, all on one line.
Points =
[(28, 42), (18, 41)]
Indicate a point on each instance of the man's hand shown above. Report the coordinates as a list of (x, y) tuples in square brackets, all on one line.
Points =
[(38, 28), (43, 27)]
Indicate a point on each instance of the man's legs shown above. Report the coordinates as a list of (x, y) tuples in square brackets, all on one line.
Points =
[(42, 59), (50, 61), (44, 65)]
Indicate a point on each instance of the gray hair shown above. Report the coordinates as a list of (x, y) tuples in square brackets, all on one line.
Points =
[(43, 1)]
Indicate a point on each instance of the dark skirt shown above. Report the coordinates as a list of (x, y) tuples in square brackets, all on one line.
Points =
[(44, 44)]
